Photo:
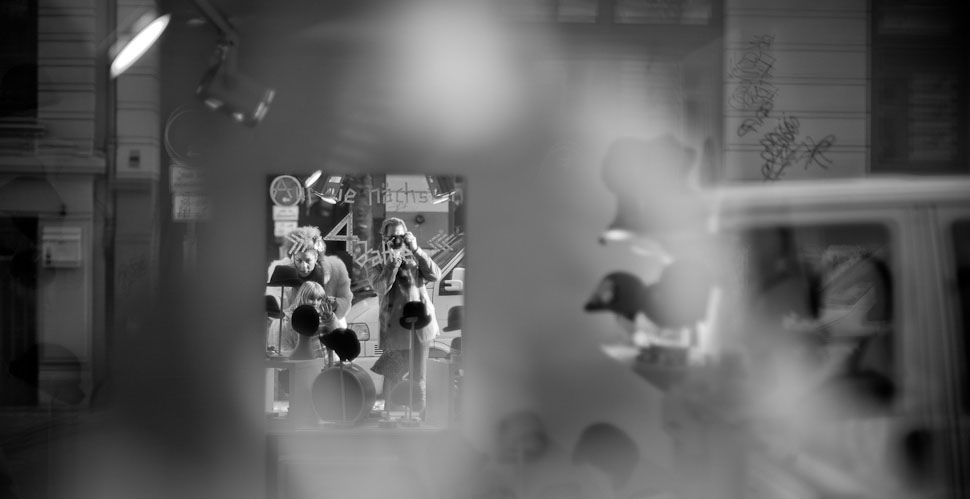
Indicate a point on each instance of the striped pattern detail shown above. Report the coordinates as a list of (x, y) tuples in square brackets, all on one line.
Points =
[(66, 46), (786, 59)]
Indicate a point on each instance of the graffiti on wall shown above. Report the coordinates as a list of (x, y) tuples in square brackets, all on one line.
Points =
[(754, 90), (781, 145), (367, 257), (781, 149)]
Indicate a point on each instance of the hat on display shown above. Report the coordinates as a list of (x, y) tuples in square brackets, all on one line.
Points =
[(619, 292), (455, 317), (305, 320), (415, 315), (285, 275), (342, 342), (273, 307)]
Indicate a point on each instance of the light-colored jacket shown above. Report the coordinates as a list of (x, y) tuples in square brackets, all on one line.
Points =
[(397, 288)]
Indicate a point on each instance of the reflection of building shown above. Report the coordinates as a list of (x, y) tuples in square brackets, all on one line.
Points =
[(78, 173), (832, 89), (770, 91)]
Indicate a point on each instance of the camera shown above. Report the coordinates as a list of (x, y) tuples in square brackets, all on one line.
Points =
[(395, 241)]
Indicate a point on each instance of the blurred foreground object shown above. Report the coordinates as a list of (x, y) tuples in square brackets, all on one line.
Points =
[(655, 199)]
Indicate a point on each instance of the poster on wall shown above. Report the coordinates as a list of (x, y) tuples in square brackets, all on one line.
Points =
[(369, 254)]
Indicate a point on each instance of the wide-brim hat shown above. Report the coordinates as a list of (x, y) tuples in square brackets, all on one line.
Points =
[(617, 292), (455, 318), (343, 342), (305, 320), (285, 275), (415, 315)]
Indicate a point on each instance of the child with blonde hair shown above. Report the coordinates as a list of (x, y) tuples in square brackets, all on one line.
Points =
[(310, 293)]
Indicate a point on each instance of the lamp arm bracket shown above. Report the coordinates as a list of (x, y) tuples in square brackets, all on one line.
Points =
[(218, 20)]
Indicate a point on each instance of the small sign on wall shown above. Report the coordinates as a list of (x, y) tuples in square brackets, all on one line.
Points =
[(286, 212), (185, 179), (190, 207), (61, 246), (282, 228)]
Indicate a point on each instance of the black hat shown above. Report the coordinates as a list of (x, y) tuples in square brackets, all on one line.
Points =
[(306, 320), (618, 292), (285, 275), (273, 307), (415, 315), (343, 342), (455, 316)]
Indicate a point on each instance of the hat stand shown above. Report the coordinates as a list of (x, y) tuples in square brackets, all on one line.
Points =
[(279, 333), (386, 421), (305, 320), (409, 420), (273, 311), (283, 276), (414, 316)]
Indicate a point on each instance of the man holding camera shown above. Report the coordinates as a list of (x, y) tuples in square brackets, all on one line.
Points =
[(401, 277)]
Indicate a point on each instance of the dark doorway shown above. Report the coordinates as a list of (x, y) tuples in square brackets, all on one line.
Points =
[(19, 273)]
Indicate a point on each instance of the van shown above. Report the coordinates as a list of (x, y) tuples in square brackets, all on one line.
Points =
[(891, 259)]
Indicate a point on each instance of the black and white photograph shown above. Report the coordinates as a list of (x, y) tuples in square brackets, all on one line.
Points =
[(704, 249)]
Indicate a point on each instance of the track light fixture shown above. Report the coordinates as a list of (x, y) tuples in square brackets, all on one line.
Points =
[(222, 87), (331, 189), (442, 188), (227, 91)]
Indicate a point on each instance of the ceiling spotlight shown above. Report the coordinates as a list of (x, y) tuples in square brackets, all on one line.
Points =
[(229, 92), (222, 88), (442, 188), (331, 189), (312, 179), (142, 35)]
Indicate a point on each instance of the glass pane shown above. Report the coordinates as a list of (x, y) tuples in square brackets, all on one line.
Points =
[(961, 251), (820, 298), (330, 246)]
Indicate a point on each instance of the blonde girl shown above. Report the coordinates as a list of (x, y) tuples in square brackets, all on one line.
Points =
[(310, 293)]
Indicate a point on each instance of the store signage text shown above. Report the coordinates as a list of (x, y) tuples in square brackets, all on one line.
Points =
[(400, 196)]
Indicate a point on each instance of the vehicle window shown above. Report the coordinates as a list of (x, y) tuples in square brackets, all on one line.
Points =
[(450, 282), (961, 251), (825, 291)]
